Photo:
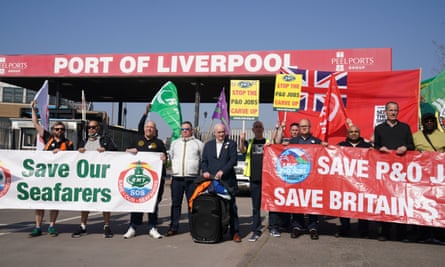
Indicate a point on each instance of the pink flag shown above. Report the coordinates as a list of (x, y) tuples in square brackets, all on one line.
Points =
[(333, 118)]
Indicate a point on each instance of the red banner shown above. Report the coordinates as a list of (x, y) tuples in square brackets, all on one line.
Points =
[(364, 95), (196, 64), (355, 183)]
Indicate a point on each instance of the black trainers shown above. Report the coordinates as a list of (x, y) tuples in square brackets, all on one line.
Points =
[(296, 232), (79, 233), (314, 234), (107, 232)]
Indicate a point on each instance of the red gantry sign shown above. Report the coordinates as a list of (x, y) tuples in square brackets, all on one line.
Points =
[(194, 64)]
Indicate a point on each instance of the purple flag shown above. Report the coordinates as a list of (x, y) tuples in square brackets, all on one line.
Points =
[(221, 111)]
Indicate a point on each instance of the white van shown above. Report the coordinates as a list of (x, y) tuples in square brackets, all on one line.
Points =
[(243, 181)]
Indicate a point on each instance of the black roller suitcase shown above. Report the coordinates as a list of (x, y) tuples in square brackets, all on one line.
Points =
[(209, 218)]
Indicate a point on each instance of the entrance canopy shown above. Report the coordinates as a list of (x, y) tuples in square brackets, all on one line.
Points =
[(199, 77)]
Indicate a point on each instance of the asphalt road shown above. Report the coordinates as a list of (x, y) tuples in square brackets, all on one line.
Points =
[(94, 250)]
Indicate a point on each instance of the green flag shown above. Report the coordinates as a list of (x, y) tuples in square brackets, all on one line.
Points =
[(166, 104), (432, 97)]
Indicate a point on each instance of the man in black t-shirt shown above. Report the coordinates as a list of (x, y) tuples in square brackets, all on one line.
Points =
[(148, 143), (254, 149)]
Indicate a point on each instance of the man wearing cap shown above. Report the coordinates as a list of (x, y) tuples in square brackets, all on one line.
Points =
[(429, 139)]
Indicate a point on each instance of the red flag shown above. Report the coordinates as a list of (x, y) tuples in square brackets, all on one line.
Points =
[(365, 95), (333, 118)]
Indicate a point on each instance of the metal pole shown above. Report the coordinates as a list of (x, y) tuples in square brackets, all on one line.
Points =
[(119, 114), (58, 100), (197, 102)]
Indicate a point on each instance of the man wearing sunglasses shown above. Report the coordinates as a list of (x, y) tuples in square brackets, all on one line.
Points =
[(101, 143), (185, 154), (54, 141)]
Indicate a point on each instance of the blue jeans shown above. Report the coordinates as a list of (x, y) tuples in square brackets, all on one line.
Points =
[(179, 186), (255, 193), (136, 218), (234, 220)]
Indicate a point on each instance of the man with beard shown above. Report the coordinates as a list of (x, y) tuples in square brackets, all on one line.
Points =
[(55, 142)]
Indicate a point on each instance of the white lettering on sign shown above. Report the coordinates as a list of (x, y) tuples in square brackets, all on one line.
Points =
[(77, 65), (100, 65), (440, 175), (221, 63), (130, 64), (299, 197), (343, 167), (397, 172), (371, 203)]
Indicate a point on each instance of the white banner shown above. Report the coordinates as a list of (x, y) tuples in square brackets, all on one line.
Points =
[(70, 180)]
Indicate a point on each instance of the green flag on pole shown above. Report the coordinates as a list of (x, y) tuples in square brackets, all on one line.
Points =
[(166, 104), (432, 97)]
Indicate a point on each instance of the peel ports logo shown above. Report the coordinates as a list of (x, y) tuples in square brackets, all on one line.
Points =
[(5, 180), (138, 183), (293, 165), (11, 67)]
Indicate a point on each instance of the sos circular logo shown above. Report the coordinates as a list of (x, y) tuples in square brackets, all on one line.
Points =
[(138, 183), (293, 165), (5, 180)]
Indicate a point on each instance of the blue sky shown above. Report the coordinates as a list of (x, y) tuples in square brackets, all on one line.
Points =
[(99, 27)]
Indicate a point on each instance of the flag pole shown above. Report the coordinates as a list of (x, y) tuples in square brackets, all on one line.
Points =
[(208, 132), (84, 117)]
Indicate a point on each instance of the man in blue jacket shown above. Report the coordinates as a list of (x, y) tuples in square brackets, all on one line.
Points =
[(219, 158)]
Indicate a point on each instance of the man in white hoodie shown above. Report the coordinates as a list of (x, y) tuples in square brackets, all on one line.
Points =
[(185, 154)]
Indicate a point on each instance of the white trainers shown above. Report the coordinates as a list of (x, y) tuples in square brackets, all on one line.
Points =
[(154, 233), (130, 233)]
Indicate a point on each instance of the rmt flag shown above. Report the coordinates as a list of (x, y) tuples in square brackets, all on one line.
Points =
[(333, 118)]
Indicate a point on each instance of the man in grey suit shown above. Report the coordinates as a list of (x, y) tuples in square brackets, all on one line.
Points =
[(218, 160)]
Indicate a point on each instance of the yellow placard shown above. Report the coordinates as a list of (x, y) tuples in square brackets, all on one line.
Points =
[(244, 99), (287, 92)]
